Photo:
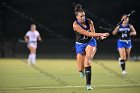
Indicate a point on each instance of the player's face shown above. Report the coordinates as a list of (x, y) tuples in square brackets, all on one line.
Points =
[(81, 17), (33, 27), (126, 19)]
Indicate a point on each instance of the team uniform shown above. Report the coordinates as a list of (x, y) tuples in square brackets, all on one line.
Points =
[(83, 41), (124, 40), (32, 42), (32, 38)]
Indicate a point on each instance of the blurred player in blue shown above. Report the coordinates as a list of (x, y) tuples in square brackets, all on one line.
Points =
[(124, 31), (85, 43)]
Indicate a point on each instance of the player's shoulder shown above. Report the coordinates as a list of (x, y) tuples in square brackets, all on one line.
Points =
[(37, 32), (130, 25), (118, 26), (75, 24), (28, 31)]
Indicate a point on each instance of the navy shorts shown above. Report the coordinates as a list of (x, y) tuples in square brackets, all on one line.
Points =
[(80, 47)]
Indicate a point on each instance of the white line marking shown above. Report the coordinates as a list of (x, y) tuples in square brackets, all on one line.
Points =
[(65, 87)]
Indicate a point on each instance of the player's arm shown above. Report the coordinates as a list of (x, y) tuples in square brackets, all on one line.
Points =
[(133, 31), (39, 37), (115, 30), (91, 26), (78, 29), (93, 30), (26, 38)]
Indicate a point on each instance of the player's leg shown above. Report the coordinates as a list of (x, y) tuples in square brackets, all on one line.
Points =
[(90, 51), (80, 64), (93, 52), (122, 59), (32, 55), (80, 51), (128, 50)]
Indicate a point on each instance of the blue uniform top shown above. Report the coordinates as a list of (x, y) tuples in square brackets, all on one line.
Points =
[(124, 37), (82, 38), (124, 32)]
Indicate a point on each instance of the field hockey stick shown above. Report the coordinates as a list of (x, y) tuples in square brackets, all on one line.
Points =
[(132, 12), (22, 41), (109, 30)]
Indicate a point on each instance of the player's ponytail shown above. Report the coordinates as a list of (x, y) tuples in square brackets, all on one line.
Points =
[(78, 8)]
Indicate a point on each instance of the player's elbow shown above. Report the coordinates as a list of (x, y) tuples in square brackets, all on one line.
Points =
[(133, 34), (89, 34), (114, 33), (25, 38)]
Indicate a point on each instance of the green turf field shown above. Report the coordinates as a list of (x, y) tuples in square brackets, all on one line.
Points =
[(61, 76)]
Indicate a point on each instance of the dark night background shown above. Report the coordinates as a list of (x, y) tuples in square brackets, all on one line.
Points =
[(54, 20)]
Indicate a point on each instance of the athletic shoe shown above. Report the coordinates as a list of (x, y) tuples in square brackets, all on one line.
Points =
[(89, 87), (124, 72), (82, 74), (28, 62)]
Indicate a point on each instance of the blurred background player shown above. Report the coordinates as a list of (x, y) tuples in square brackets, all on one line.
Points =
[(124, 31), (85, 43), (31, 38)]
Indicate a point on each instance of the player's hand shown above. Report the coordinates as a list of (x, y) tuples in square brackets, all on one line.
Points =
[(105, 35), (41, 40), (102, 37), (26, 40)]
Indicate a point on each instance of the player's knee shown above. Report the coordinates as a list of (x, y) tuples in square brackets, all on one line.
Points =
[(87, 63), (124, 57), (32, 52), (88, 57), (127, 57)]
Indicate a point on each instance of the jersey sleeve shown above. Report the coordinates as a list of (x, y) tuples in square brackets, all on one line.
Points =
[(38, 34), (27, 34)]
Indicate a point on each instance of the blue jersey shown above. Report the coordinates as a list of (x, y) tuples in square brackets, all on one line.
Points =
[(83, 41), (124, 32), (124, 40), (80, 37)]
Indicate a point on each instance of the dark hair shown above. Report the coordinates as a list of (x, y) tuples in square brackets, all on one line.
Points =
[(33, 24), (78, 8), (123, 15)]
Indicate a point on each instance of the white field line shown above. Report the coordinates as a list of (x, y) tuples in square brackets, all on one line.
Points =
[(65, 87)]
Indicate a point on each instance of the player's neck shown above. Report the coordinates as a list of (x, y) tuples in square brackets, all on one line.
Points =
[(33, 30), (124, 24)]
